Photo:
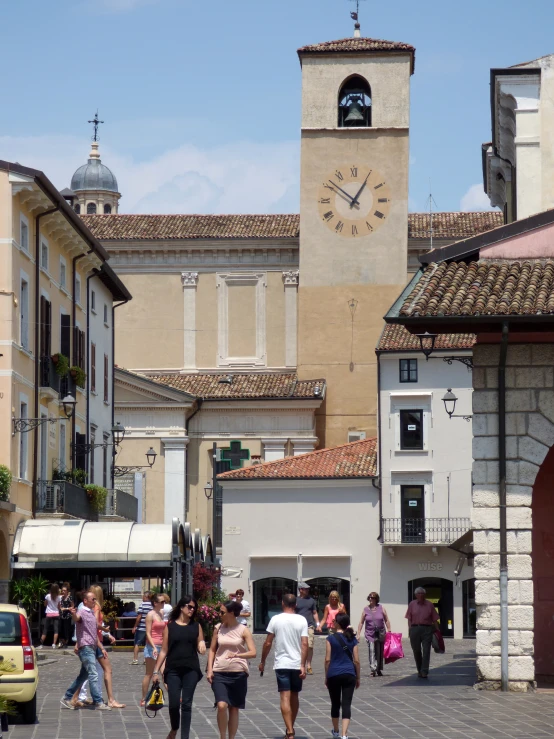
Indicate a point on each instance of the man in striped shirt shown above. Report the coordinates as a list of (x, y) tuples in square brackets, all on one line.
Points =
[(139, 629), (88, 640)]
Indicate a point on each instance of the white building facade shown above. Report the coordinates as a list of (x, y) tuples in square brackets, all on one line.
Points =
[(425, 476)]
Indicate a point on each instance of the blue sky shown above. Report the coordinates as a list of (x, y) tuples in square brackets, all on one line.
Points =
[(202, 99)]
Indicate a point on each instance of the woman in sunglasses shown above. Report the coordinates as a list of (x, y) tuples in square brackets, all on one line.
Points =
[(183, 641), (231, 648)]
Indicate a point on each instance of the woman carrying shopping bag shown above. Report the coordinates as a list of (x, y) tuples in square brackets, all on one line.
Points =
[(342, 672), (376, 626)]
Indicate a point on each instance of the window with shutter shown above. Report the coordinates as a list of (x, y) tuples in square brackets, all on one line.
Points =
[(65, 335), (80, 454), (82, 355), (45, 327), (93, 368), (106, 374)]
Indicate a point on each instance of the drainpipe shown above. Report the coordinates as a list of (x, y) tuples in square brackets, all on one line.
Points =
[(113, 391), (502, 501), (95, 273), (199, 402), (379, 483), (37, 350), (74, 331)]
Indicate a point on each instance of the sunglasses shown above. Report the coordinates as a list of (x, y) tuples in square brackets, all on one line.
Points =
[(190, 606)]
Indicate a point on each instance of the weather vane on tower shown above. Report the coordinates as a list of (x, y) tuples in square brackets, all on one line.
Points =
[(96, 122), (355, 15)]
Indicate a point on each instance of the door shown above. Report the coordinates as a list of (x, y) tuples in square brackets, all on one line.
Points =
[(268, 594), (470, 611), (44, 448), (320, 587), (441, 593), (413, 514)]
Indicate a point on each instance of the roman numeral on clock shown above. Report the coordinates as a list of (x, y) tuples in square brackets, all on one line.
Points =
[(378, 214), (327, 201), (354, 231), (383, 200), (379, 185), (369, 226), (339, 176), (328, 216), (339, 226), (354, 171)]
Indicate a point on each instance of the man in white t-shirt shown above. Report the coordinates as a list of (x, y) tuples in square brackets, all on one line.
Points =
[(289, 631), (246, 612)]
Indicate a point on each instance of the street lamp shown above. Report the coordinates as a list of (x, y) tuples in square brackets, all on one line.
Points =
[(151, 456), (208, 490), (28, 424), (69, 404), (427, 343), (450, 400), (118, 432)]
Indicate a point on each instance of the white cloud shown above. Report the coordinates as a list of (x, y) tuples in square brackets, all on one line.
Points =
[(242, 177), (475, 199)]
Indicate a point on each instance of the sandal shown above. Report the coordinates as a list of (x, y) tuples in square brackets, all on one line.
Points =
[(115, 704)]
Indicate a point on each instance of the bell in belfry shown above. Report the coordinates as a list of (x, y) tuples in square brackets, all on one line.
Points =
[(355, 113)]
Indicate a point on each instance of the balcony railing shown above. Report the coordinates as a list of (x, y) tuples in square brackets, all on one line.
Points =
[(58, 497), (120, 504), (67, 386), (48, 376), (424, 530)]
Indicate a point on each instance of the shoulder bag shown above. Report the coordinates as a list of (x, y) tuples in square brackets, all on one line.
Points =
[(344, 645)]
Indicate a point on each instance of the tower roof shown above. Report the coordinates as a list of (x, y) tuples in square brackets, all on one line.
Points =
[(358, 45), (94, 175)]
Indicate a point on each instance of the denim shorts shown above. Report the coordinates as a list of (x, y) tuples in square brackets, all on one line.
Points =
[(140, 637), (149, 651), (288, 680), (99, 654)]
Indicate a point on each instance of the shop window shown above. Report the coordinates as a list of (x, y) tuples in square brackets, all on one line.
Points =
[(268, 596), (408, 370), (411, 429)]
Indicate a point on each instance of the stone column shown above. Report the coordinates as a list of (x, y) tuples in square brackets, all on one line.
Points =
[(303, 445), (190, 281), (274, 449), (175, 478), (290, 280)]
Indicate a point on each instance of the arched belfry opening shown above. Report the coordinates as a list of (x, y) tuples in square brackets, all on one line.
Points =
[(355, 103)]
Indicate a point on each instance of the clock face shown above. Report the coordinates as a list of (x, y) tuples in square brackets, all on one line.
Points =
[(354, 201)]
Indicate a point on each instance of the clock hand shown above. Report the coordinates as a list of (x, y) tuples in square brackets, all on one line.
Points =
[(355, 200), (344, 193)]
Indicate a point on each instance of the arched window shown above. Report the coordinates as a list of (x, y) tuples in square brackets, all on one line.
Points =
[(355, 103), (91, 209), (77, 208), (107, 208)]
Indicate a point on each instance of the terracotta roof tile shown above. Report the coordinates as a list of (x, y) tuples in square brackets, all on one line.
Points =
[(483, 288), (121, 227), (454, 225), (355, 460), (357, 44), (255, 385), (397, 338)]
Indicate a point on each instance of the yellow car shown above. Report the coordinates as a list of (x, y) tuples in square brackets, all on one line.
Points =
[(20, 684)]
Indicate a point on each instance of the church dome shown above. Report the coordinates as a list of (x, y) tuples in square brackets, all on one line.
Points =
[(94, 175)]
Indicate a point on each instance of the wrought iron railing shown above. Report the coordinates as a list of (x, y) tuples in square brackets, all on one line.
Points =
[(62, 497), (121, 505), (48, 376), (424, 530)]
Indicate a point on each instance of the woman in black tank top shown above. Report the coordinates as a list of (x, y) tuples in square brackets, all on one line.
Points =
[(183, 642)]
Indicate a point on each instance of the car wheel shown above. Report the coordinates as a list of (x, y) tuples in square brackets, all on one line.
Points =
[(28, 710)]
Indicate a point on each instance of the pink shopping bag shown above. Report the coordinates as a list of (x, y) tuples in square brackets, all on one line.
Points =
[(392, 649)]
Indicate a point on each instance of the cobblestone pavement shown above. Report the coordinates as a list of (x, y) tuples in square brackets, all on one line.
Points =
[(393, 707)]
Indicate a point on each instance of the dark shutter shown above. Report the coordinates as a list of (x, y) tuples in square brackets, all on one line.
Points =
[(45, 327), (65, 335), (80, 454), (106, 380), (81, 350), (93, 367)]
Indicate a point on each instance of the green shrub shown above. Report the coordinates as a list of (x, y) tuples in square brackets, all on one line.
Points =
[(80, 376), (78, 476), (61, 363), (5, 482), (98, 496)]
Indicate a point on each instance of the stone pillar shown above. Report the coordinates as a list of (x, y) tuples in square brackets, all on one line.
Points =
[(274, 449), (190, 281), (303, 445), (175, 478), (530, 434), (290, 280)]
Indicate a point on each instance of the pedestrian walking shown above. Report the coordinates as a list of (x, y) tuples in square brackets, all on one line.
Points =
[(246, 611), (66, 624), (167, 607), (377, 623), (231, 647), (101, 654), (289, 631), (139, 629), (422, 617), (342, 672), (52, 616), (183, 641), (306, 606), (88, 642), (155, 627), (332, 609)]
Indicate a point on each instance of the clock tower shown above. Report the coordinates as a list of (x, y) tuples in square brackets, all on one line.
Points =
[(353, 219)]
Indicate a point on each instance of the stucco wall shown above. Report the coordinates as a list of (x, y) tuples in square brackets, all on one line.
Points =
[(530, 434)]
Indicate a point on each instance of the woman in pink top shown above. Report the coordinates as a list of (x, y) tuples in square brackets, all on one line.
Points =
[(331, 610), (155, 627), (231, 648)]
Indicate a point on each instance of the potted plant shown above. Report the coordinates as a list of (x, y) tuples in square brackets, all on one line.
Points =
[(79, 477), (5, 482), (61, 363), (79, 375), (97, 496)]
